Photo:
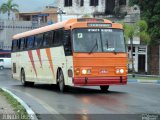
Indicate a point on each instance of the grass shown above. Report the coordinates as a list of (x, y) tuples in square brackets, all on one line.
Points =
[(18, 108)]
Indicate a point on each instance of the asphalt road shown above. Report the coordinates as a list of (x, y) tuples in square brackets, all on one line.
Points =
[(132, 101)]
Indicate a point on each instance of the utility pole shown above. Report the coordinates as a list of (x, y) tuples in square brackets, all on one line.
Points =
[(60, 12)]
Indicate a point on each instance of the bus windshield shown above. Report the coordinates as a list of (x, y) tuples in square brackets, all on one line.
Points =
[(98, 40)]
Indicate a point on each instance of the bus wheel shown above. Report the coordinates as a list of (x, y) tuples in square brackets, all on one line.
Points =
[(23, 79), (104, 88), (61, 81), (1, 67)]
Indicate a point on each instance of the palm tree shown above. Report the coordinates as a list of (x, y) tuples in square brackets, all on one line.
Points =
[(137, 29), (9, 7)]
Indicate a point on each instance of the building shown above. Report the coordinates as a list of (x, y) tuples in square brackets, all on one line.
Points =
[(24, 22), (8, 28), (115, 10), (40, 18), (90, 7)]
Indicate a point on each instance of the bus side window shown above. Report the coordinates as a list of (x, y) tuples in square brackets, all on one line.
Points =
[(18, 45), (22, 44), (30, 42), (25, 43), (14, 45), (58, 37), (48, 37), (38, 41), (67, 42)]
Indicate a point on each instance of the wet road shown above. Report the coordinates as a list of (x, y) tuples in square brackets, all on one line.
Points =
[(87, 103)]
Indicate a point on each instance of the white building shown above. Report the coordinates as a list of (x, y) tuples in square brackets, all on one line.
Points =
[(8, 28)]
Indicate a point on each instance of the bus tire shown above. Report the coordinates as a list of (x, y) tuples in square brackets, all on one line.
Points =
[(61, 82), (23, 80), (104, 88), (1, 67)]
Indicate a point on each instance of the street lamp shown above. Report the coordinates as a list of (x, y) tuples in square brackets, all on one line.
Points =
[(60, 12)]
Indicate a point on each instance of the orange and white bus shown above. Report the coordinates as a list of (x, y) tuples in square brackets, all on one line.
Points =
[(76, 52)]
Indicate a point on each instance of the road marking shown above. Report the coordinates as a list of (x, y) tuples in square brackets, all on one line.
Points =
[(45, 105)]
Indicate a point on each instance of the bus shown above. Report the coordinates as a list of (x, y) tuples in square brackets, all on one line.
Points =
[(76, 52)]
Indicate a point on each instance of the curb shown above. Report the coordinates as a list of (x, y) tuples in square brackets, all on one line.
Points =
[(27, 108), (143, 81)]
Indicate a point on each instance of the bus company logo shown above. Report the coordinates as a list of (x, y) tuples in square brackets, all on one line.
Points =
[(103, 71)]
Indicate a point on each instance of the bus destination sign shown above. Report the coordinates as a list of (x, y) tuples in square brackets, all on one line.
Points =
[(99, 25)]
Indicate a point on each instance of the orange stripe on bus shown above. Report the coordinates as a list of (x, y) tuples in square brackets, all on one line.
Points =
[(50, 60), (32, 61), (39, 56)]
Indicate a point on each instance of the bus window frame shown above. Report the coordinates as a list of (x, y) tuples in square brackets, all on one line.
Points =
[(41, 42), (49, 41), (60, 43), (68, 53), (21, 48), (15, 47), (27, 40)]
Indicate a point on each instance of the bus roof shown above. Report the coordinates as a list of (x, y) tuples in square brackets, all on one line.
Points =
[(65, 24)]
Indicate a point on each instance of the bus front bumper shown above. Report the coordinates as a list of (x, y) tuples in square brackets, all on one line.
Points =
[(97, 81)]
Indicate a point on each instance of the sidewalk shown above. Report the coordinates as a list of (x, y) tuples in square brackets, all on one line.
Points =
[(144, 78), (19, 110), (5, 107)]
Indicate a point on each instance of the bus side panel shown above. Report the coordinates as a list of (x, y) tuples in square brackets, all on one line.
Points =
[(69, 62), (45, 63), (59, 61), (14, 63), (24, 62)]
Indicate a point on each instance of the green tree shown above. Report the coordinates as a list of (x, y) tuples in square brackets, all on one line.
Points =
[(9, 7), (150, 12), (137, 29)]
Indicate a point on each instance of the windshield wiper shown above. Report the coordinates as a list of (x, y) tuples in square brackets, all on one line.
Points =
[(96, 45)]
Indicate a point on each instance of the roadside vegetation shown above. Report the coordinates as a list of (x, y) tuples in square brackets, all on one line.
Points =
[(18, 108), (144, 77), (150, 12), (9, 7), (137, 29)]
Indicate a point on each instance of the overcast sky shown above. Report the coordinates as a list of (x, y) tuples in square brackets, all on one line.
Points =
[(31, 5)]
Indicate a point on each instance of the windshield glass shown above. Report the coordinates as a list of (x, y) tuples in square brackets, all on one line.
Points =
[(98, 40)]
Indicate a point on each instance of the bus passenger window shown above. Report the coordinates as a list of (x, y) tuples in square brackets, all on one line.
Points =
[(22, 44), (30, 42), (38, 41), (67, 43), (14, 45), (48, 37), (58, 37)]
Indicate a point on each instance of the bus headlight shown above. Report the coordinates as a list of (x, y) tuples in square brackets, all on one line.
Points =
[(121, 71), (84, 71), (117, 71)]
